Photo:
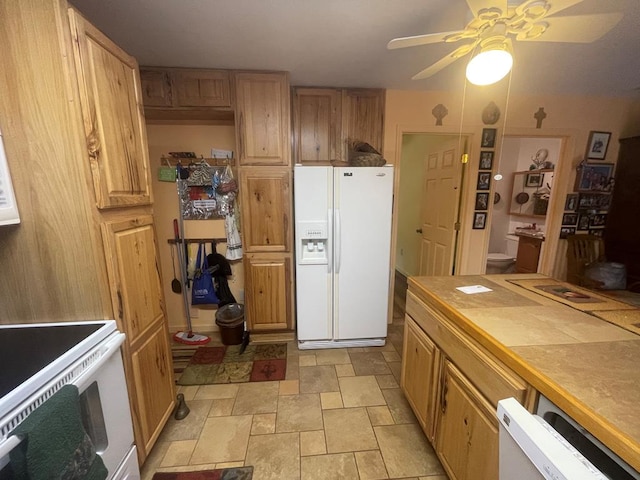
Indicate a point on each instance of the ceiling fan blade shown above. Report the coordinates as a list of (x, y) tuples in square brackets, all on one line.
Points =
[(578, 29), (559, 5), (477, 5), (445, 61), (404, 42)]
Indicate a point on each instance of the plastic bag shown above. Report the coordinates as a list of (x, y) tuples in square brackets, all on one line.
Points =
[(203, 291), (607, 275)]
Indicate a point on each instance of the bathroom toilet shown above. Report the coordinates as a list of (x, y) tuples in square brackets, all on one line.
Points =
[(503, 262)]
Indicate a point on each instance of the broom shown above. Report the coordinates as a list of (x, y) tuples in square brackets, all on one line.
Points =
[(187, 337)]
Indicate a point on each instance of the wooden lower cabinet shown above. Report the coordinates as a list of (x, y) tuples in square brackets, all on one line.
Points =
[(268, 291), (528, 254), (453, 386), (418, 369), (467, 439), (138, 303), (153, 383)]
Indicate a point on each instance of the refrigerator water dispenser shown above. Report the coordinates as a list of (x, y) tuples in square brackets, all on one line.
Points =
[(313, 243)]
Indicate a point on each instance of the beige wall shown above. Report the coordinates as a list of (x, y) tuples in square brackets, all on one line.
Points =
[(199, 139), (569, 118)]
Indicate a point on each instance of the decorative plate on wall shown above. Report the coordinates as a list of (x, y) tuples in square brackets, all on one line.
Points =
[(522, 198)]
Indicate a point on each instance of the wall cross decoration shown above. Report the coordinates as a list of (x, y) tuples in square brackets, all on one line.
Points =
[(540, 115), (439, 111)]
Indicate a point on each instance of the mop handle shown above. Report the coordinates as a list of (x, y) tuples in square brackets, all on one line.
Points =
[(184, 274)]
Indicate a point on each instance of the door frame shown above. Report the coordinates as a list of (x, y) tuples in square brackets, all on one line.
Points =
[(551, 250), (425, 129)]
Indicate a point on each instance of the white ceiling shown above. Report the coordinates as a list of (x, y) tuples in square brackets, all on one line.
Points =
[(342, 43)]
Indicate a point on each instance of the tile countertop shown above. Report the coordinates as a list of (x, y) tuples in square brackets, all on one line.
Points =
[(587, 366)]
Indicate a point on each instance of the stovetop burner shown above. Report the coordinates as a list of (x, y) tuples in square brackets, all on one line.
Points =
[(31, 354), (26, 351)]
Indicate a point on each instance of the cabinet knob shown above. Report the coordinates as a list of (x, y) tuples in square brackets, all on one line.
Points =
[(418, 230)]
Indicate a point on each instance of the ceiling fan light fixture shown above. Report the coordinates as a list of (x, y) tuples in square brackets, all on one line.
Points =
[(489, 66)]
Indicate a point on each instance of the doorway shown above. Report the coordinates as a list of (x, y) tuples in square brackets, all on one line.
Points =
[(428, 203), (521, 200)]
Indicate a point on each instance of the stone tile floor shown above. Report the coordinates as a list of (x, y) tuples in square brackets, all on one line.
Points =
[(339, 414)]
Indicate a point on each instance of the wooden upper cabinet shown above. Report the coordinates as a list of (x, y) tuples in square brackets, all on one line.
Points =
[(262, 119), (110, 92), (265, 196), (156, 88), (363, 116), (201, 88), (317, 123), (185, 88)]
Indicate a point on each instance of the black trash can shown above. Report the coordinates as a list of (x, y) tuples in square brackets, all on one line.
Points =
[(230, 319)]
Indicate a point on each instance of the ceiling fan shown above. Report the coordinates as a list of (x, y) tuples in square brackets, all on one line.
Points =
[(497, 23)]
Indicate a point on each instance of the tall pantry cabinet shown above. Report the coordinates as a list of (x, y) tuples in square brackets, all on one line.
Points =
[(263, 134), (76, 145)]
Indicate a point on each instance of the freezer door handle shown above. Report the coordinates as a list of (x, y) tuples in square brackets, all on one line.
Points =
[(337, 242), (329, 241)]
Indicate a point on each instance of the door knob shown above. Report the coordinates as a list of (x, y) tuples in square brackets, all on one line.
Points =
[(418, 230)]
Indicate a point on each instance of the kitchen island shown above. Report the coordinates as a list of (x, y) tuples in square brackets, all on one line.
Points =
[(528, 334)]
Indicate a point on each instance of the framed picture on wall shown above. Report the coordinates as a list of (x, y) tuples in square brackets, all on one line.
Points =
[(534, 179), (569, 219), (571, 204), (488, 138), (594, 177), (597, 201), (598, 232), (486, 160), (583, 222), (484, 181), (597, 145), (598, 220), (482, 200), (566, 231), (479, 220)]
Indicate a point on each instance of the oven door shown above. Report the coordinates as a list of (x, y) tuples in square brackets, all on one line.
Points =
[(104, 404)]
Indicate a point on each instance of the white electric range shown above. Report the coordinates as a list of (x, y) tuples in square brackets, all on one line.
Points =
[(39, 359)]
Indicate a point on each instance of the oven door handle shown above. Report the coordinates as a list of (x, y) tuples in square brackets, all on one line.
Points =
[(108, 349)]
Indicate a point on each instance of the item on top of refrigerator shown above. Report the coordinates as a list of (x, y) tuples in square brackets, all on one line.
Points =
[(361, 154)]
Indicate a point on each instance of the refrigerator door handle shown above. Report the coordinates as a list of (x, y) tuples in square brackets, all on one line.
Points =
[(337, 241), (329, 241)]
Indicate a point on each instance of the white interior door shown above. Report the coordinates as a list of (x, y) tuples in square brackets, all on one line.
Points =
[(440, 199)]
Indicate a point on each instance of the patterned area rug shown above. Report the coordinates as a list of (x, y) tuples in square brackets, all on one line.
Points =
[(225, 364), (238, 473)]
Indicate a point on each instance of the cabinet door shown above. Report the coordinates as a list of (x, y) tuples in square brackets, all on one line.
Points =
[(263, 130), (138, 303), (317, 124), (268, 291), (154, 395), (109, 87), (265, 196), (467, 430), (201, 88), (363, 116), (418, 369), (528, 255), (156, 88)]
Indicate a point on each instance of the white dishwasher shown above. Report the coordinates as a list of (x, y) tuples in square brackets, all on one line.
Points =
[(531, 449)]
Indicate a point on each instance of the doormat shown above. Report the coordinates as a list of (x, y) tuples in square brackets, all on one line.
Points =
[(237, 473), (225, 364)]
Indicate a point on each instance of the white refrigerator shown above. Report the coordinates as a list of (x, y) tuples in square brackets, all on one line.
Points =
[(342, 248)]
